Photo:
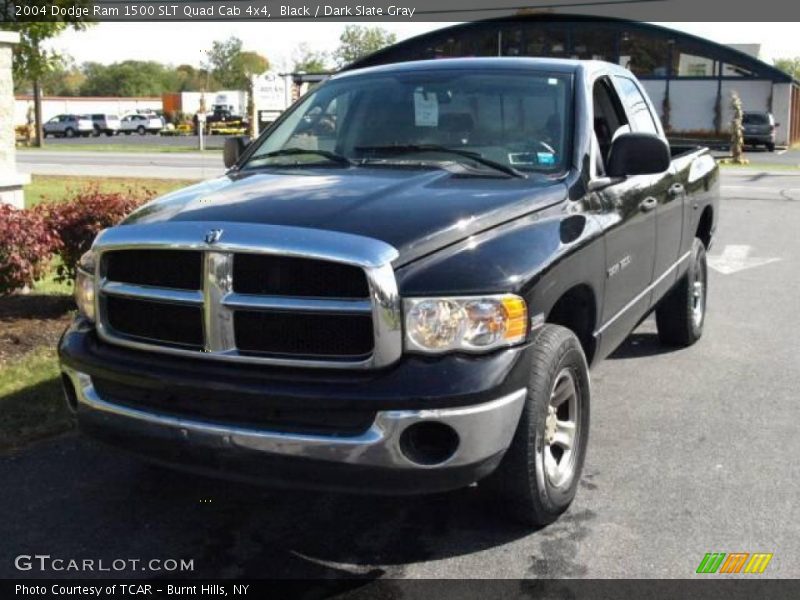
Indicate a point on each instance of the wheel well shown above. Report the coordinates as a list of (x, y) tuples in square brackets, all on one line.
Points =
[(704, 226), (576, 310)]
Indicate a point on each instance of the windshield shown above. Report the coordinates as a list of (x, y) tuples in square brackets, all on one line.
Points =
[(517, 120)]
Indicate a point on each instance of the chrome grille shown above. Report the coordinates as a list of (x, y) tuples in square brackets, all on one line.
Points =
[(352, 320)]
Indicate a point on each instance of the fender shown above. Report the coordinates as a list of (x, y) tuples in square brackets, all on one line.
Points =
[(539, 257)]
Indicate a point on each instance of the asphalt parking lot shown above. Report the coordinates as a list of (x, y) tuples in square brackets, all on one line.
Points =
[(691, 451)]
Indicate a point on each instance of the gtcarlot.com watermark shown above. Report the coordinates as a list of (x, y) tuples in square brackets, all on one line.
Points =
[(45, 563)]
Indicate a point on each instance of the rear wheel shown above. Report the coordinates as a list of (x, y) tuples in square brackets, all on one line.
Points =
[(539, 474), (141, 130), (680, 316)]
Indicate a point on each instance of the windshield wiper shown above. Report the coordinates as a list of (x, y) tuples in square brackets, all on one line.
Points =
[(332, 156), (411, 148)]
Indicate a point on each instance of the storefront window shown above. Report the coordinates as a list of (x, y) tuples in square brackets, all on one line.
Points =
[(688, 61), (729, 70), (512, 42), (644, 56), (593, 43), (551, 41)]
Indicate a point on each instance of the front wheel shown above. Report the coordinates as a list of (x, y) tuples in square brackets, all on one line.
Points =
[(680, 316), (539, 474), (141, 130), (69, 132)]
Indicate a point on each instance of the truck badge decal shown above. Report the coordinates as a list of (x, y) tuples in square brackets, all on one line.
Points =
[(213, 236)]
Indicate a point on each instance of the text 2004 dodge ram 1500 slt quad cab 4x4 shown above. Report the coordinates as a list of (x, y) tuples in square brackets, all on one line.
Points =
[(400, 285)]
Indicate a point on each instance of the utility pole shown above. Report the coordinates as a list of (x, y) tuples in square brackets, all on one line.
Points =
[(37, 111)]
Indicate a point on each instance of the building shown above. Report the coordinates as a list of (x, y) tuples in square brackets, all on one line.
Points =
[(11, 182), (689, 79)]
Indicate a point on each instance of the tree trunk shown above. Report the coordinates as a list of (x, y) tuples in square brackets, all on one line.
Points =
[(37, 108)]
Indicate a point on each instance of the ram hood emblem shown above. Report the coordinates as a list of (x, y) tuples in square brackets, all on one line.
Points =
[(213, 236)]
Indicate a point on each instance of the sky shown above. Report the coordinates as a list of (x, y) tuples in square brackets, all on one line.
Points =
[(186, 43)]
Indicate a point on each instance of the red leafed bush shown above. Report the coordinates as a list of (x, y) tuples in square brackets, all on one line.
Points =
[(77, 222), (27, 244)]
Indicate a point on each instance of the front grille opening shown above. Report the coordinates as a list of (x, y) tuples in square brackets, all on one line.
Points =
[(177, 269), (307, 335), (155, 321), (291, 276), (236, 409)]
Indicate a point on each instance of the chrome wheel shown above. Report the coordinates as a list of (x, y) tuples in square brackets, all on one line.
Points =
[(561, 429), (699, 294)]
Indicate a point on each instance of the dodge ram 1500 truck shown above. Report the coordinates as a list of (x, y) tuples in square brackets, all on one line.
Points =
[(400, 285)]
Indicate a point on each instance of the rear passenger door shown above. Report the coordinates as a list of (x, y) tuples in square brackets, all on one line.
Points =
[(665, 188)]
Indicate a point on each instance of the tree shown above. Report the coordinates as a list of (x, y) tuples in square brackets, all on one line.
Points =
[(357, 41), (63, 79), (309, 61), (232, 67), (128, 78), (31, 60), (789, 65)]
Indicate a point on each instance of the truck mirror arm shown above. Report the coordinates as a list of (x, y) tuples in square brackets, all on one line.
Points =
[(598, 183)]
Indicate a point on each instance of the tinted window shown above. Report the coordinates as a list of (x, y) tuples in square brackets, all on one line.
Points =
[(755, 119), (641, 119)]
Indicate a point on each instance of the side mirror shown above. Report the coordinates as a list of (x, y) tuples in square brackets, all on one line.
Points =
[(637, 154), (234, 148)]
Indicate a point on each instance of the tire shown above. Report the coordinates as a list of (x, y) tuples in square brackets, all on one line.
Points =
[(69, 132), (141, 130), (680, 316), (521, 484), (771, 147)]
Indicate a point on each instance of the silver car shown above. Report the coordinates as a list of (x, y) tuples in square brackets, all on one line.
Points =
[(141, 124), (68, 126)]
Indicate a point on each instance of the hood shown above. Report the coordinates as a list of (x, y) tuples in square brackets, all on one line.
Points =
[(415, 210)]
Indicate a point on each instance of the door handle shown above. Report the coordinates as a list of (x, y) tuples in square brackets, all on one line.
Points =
[(676, 189), (648, 204)]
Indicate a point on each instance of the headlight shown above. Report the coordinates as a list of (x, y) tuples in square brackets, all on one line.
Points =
[(472, 324), (84, 285)]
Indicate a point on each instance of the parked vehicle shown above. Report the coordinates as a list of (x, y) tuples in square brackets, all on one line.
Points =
[(105, 123), (141, 124), (68, 126), (403, 292), (759, 129)]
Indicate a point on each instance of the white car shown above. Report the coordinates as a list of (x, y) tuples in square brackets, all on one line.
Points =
[(140, 124), (68, 126)]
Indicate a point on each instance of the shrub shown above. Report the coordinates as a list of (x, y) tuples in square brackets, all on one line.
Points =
[(27, 244), (77, 222)]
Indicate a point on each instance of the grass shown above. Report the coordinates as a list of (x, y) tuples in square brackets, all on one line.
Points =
[(57, 188), (137, 148), (31, 399)]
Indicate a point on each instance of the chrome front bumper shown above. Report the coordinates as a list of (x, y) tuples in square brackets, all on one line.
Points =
[(484, 432)]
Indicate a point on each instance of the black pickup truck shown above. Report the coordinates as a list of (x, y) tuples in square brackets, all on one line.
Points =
[(399, 287)]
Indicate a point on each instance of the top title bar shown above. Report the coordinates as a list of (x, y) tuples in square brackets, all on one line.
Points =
[(389, 10)]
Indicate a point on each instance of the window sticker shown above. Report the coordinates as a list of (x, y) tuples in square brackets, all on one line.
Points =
[(426, 109), (546, 158)]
